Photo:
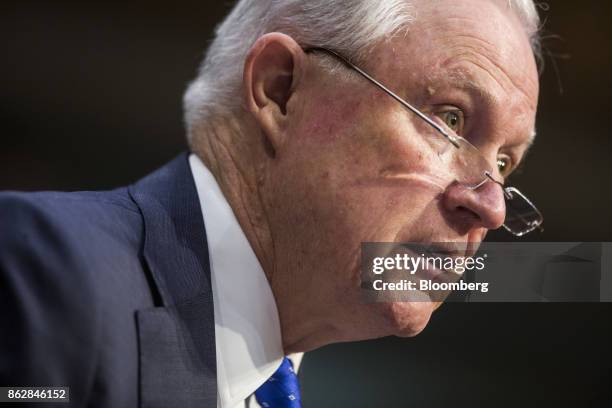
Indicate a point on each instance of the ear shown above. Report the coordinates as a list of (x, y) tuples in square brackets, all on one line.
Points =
[(271, 72)]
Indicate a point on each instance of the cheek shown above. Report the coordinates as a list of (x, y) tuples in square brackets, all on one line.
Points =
[(336, 171), (329, 119)]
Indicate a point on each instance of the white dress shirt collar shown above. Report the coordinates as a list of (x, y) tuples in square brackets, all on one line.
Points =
[(247, 329)]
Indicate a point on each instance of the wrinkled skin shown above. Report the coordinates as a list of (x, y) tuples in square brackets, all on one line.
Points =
[(344, 163)]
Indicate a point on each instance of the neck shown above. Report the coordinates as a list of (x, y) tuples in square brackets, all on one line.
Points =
[(231, 154), (226, 150)]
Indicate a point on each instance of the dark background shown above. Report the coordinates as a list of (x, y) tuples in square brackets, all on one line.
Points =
[(91, 99)]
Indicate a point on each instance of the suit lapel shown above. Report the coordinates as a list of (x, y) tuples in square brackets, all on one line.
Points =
[(177, 341)]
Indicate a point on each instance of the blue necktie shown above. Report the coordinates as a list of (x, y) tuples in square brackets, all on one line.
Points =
[(282, 390)]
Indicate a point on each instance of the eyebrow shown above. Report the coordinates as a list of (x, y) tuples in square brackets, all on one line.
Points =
[(531, 139), (461, 79), (528, 145)]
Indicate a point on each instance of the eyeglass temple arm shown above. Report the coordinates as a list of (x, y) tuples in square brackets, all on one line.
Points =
[(392, 94)]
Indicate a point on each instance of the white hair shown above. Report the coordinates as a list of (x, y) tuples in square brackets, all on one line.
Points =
[(347, 26)]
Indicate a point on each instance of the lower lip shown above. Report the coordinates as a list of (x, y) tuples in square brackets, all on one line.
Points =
[(439, 275)]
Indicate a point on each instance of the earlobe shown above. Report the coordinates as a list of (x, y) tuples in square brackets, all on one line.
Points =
[(271, 72)]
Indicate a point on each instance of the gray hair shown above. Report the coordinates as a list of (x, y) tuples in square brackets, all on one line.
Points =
[(348, 26)]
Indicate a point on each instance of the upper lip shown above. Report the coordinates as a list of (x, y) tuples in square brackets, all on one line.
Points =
[(450, 248), (461, 249)]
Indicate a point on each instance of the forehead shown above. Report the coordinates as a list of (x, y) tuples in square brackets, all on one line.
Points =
[(478, 45)]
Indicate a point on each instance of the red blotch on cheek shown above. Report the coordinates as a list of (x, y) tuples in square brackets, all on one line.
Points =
[(331, 119)]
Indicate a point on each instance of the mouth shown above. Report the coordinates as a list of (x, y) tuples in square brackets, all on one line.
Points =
[(438, 256), (454, 248), (417, 271)]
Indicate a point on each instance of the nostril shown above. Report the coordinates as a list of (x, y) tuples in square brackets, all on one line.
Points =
[(469, 208)]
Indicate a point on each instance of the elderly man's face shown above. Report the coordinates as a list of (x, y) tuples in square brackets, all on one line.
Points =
[(357, 167)]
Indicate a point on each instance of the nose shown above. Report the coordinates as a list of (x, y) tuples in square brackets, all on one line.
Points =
[(473, 208)]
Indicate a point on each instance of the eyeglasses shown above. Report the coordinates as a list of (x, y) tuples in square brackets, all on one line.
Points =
[(466, 162)]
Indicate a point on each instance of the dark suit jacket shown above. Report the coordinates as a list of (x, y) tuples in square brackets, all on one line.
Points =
[(109, 293)]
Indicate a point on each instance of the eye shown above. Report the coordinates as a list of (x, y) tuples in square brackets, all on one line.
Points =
[(504, 165), (454, 119)]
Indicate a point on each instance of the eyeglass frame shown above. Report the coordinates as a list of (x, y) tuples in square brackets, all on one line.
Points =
[(509, 192)]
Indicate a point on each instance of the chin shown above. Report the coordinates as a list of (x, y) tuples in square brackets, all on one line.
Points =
[(406, 319)]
